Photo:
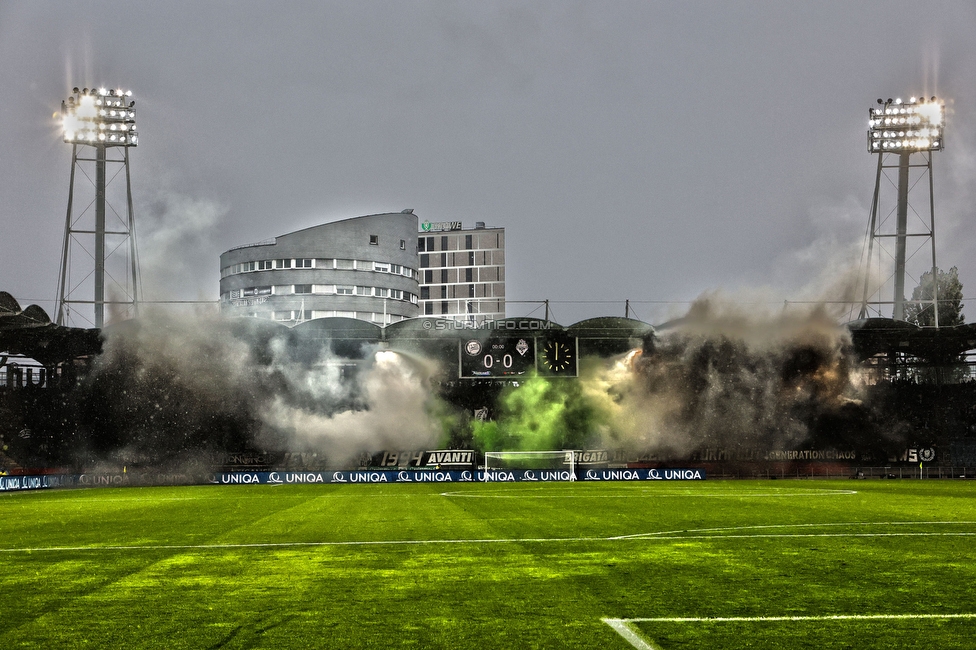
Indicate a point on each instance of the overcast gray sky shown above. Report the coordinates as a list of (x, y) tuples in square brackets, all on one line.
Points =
[(649, 151)]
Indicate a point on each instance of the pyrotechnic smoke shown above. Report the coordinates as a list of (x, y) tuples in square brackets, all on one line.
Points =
[(166, 390), (395, 411), (176, 227), (727, 376), (538, 414)]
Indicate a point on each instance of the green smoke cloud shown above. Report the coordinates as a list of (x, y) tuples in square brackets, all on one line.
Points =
[(538, 414)]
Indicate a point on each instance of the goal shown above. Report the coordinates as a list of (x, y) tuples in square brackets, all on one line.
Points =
[(557, 460)]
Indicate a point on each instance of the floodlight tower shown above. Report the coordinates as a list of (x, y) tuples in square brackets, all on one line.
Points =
[(908, 132), (101, 122)]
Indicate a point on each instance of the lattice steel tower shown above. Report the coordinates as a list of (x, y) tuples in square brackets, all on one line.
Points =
[(99, 252), (904, 135)]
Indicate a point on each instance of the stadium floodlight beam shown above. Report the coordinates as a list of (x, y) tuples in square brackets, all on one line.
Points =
[(105, 120), (904, 128)]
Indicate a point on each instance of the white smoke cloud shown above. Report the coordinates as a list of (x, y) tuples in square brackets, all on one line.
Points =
[(176, 247), (397, 413), (173, 386)]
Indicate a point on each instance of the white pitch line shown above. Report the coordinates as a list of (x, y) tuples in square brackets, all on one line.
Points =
[(781, 526), (624, 629), (624, 626), (791, 619), (649, 537)]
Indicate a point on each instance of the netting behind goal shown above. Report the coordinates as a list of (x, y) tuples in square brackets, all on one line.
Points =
[(557, 460)]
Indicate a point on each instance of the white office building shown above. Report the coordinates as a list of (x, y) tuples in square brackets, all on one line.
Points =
[(364, 268), (462, 271)]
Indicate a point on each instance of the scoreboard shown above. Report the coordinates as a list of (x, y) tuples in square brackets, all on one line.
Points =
[(512, 357), (497, 357)]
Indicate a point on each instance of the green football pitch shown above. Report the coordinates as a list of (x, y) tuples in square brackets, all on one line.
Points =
[(711, 564)]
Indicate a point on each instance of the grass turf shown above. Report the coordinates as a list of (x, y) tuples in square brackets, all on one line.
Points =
[(490, 566)]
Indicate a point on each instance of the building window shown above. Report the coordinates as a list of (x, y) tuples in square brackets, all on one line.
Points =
[(471, 258), (444, 307), (264, 265), (470, 291), (429, 309), (364, 291), (444, 291), (374, 240), (469, 274), (444, 276), (304, 263), (443, 259), (428, 277), (303, 288), (424, 261), (430, 244), (425, 293), (282, 264), (403, 244), (382, 267), (467, 242), (381, 292), (344, 291), (396, 268), (420, 244), (444, 243), (396, 294)]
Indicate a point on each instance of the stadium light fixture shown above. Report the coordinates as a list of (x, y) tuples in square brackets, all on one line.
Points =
[(896, 126), (105, 120), (102, 117)]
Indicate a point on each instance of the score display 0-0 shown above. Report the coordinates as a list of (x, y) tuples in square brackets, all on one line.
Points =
[(513, 357)]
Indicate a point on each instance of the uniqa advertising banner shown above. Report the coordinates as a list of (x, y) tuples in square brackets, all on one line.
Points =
[(14, 483), (451, 476)]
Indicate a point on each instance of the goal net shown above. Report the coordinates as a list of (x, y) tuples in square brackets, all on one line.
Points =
[(555, 460)]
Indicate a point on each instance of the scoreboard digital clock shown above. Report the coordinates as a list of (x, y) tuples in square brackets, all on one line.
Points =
[(513, 357)]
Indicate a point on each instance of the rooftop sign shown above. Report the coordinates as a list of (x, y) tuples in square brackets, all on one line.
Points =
[(429, 226)]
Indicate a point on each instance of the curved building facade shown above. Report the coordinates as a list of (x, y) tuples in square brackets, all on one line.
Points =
[(364, 267)]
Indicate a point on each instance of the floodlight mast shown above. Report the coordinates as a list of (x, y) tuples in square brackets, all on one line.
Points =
[(103, 119), (896, 127)]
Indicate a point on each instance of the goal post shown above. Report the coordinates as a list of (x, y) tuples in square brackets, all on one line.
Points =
[(558, 460)]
